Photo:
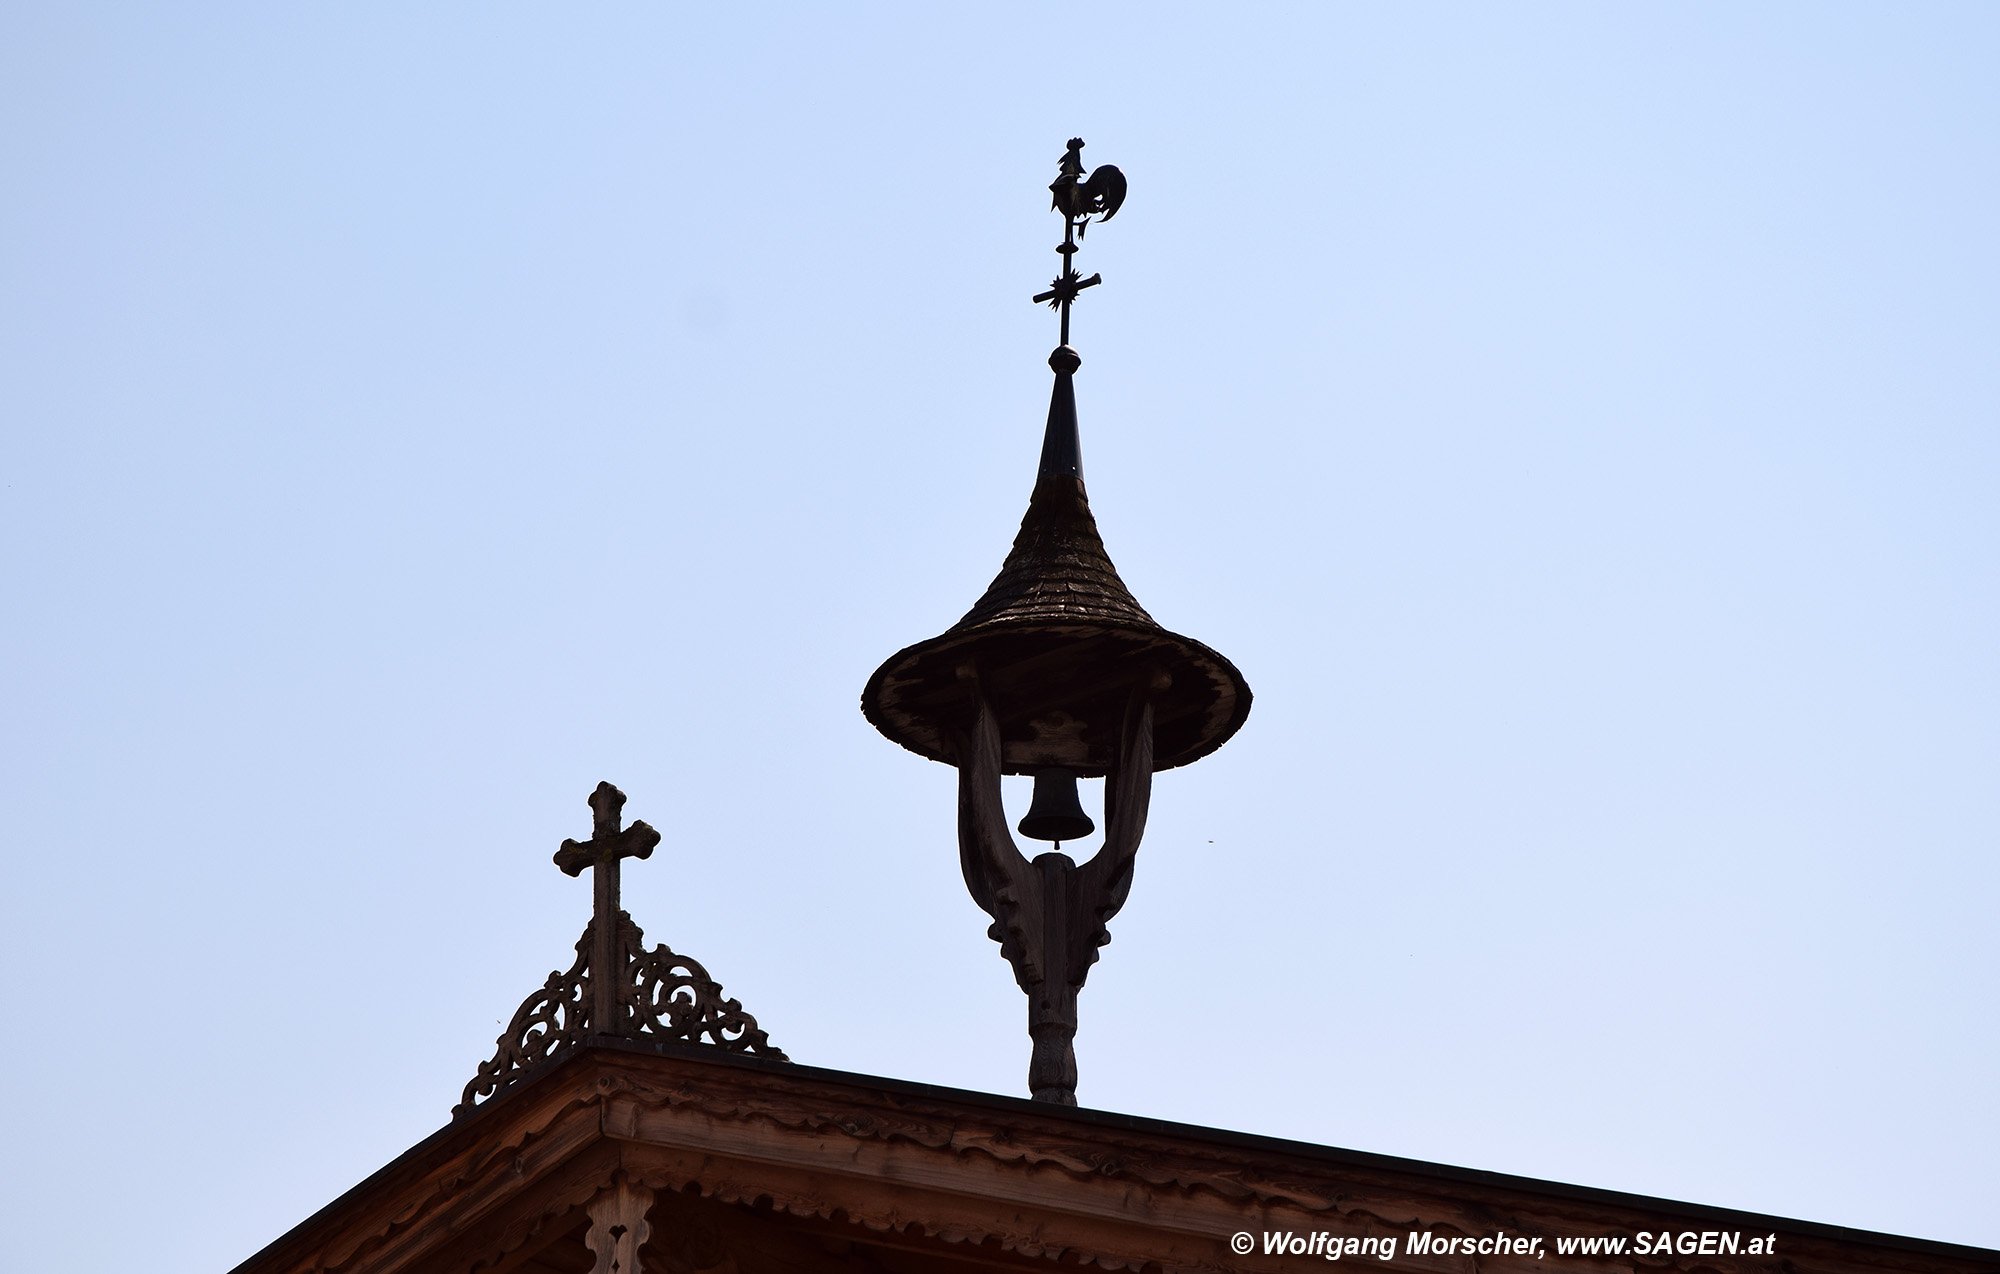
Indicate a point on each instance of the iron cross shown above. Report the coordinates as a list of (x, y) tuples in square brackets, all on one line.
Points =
[(608, 844)]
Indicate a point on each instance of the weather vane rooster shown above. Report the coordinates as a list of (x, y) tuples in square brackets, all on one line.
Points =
[(1079, 199)]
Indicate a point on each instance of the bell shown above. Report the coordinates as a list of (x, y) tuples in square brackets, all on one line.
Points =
[(1055, 814)]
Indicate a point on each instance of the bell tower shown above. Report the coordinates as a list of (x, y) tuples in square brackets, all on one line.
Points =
[(1057, 672)]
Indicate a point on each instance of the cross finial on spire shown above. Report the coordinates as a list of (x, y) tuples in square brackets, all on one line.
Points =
[(1078, 200)]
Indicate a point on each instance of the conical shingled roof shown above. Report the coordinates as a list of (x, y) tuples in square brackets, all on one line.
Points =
[(1058, 570), (1057, 643)]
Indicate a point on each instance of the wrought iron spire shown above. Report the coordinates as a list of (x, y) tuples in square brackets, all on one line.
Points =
[(1079, 199)]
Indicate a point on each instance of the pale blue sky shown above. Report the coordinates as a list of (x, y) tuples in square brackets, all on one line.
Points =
[(1578, 422)]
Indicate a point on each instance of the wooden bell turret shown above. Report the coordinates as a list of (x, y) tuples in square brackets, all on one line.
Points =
[(1058, 672)]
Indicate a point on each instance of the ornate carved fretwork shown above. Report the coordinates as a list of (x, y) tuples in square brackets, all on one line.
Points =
[(615, 987)]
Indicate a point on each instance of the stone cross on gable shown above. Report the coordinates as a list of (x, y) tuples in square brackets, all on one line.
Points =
[(607, 846)]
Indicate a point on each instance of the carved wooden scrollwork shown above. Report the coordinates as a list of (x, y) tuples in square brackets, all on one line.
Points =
[(658, 994), (548, 1022), (672, 996)]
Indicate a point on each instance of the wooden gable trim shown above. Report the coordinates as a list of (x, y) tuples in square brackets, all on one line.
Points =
[(999, 1180)]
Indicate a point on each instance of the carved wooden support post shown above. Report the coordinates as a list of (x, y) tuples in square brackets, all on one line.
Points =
[(1049, 916), (1052, 1016), (619, 1228)]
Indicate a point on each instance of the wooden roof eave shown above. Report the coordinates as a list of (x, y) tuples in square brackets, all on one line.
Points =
[(994, 1180)]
